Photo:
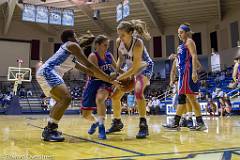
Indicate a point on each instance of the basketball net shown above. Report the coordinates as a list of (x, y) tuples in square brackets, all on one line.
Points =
[(19, 77)]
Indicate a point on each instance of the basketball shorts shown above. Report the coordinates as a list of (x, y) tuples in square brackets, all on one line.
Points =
[(90, 93), (48, 79)]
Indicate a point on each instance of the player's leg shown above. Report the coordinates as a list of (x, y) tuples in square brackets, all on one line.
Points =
[(53, 86), (197, 110), (87, 114), (183, 121), (181, 107), (63, 100), (101, 97), (117, 124), (89, 104), (189, 113), (186, 120), (140, 84)]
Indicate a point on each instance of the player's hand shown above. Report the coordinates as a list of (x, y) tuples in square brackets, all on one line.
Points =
[(116, 83), (113, 76), (195, 77), (234, 79), (171, 83)]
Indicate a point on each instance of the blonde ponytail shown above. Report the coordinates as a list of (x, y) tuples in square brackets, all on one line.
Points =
[(139, 26), (86, 39)]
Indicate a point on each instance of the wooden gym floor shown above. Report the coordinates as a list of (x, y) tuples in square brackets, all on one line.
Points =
[(20, 139)]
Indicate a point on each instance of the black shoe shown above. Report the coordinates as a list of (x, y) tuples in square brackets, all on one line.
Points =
[(51, 134), (199, 127), (117, 125), (183, 122), (172, 126), (190, 123), (143, 129)]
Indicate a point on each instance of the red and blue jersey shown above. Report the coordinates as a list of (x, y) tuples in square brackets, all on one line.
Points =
[(185, 83), (94, 84)]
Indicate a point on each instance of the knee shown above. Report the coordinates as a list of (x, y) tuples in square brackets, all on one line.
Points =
[(100, 99), (139, 96), (67, 99), (182, 99), (139, 93), (101, 96)]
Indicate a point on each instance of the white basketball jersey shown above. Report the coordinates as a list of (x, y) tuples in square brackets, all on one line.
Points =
[(62, 61), (127, 54)]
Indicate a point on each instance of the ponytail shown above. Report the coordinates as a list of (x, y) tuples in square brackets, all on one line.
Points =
[(138, 26), (86, 40), (141, 28)]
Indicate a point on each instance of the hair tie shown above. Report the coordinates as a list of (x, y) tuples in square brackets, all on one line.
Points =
[(185, 28)]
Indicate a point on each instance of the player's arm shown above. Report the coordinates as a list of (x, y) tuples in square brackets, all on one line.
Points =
[(137, 61), (84, 69), (92, 58), (199, 66), (192, 49), (114, 63), (234, 74), (76, 50), (173, 72), (120, 58)]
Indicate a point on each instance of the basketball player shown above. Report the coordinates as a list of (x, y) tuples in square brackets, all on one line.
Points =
[(188, 79), (50, 74), (97, 91), (186, 120), (132, 53), (236, 71)]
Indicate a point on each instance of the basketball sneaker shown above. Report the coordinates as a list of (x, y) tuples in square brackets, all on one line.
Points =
[(117, 125), (143, 129), (51, 134), (93, 128), (101, 132)]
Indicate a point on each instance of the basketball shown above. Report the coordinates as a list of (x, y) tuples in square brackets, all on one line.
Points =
[(127, 85)]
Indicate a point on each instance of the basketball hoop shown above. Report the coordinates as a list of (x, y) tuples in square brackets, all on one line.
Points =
[(19, 75)]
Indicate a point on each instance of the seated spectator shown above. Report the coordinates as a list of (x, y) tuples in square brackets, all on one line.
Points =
[(149, 106), (156, 105), (124, 107), (225, 106), (131, 103), (6, 99), (109, 106), (29, 93), (44, 104), (158, 77), (211, 107), (232, 85), (222, 76), (22, 92)]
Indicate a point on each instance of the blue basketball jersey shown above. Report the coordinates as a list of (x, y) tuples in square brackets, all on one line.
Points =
[(185, 83), (105, 64), (94, 84)]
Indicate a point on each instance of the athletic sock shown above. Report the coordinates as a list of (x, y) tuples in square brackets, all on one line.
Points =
[(101, 120)]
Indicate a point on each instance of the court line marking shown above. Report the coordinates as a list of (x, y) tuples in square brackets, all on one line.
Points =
[(96, 142), (138, 154), (191, 154)]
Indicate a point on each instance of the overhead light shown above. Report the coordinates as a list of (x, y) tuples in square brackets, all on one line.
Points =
[(20, 1), (96, 14)]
